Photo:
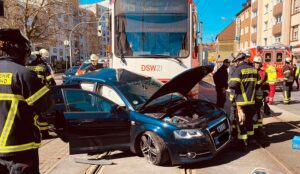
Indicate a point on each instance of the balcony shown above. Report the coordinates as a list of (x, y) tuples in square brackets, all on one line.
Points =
[(254, 36), (277, 9), (277, 28), (254, 21), (254, 6)]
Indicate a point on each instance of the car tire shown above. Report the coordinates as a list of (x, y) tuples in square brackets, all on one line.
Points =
[(154, 148)]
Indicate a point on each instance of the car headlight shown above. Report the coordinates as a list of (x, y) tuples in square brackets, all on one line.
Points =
[(188, 133)]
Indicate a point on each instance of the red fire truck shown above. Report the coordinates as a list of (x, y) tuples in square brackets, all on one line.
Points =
[(273, 55)]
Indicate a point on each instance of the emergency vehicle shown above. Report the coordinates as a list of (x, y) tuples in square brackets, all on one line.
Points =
[(273, 55)]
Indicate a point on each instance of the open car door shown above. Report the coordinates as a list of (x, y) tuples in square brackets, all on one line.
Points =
[(94, 124)]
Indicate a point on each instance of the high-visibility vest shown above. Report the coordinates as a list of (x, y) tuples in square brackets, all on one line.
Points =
[(272, 74)]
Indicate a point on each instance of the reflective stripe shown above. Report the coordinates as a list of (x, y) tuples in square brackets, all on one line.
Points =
[(255, 126), (250, 132), (49, 77), (235, 79), (9, 122), (287, 72), (245, 103), (249, 71), (243, 137), (37, 95), (249, 80), (43, 128), (4, 96), (18, 148), (36, 68), (43, 124)]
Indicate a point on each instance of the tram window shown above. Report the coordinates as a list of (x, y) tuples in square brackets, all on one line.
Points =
[(279, 57), (268, 57)]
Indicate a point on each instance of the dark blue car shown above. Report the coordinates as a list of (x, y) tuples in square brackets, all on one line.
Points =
[(120, 110)]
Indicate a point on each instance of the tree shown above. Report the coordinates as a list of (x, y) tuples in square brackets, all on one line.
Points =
[(38, 19)]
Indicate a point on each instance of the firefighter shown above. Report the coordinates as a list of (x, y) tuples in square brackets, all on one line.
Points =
[(243, 81), (272, 76), (261, 93), (288, 72), (38, 65), (21, 95), (95, 65), (221, 83), (43, 54), (233, 112)]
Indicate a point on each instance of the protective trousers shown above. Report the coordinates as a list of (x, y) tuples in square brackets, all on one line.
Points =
[(271, 93), (258, 118), (20, 164), (287, 88), (43, 126), (245, 128), (221, 96), (233, 116)]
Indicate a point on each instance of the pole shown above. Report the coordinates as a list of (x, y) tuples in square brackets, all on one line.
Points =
[(70, 39), (200, 51)]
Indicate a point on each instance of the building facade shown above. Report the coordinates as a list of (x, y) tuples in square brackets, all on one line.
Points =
[(243, 27), (295, 28), (226, 42)]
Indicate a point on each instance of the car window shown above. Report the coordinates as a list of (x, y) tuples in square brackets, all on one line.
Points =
[(111, 94), (268, 57), (84, 101), (88, 86), (279, 57)]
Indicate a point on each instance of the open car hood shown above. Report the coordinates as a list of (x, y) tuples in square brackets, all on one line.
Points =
[(182, 83)]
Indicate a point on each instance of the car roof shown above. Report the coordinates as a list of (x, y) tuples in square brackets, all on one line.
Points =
[(111, 76)]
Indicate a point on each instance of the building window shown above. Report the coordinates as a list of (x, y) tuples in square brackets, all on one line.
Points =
[(296, 6), (254, 14), (246, 30), (254, 29), (242, 31), (246, 14), (266, 8), (278, 39), (295, 33), (266, 25), (278, 1), (266, 41), (278, 19), (54, 50), (253, 43)]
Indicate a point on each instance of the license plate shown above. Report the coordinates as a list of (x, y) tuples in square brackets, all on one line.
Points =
[(221, 127)]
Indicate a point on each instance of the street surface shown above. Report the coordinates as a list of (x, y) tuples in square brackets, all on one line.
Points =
[(273, 153)]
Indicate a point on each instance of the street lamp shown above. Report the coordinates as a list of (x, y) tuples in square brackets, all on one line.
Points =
[(70, 39)]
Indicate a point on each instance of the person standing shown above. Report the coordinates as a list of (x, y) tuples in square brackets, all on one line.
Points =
[(221, 83), (288, 72), (296, 71), (243, 81), (272, 77), (95, 65), (43, 54), (259, 96), (21, 95)]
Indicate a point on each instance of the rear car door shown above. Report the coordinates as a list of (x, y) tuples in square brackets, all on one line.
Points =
[(92, 127)]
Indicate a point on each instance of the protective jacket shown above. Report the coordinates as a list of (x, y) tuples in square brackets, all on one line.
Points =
[(288, 72), (262, 89), (243, 81), (272, 74), (21, 95), (43, 71)]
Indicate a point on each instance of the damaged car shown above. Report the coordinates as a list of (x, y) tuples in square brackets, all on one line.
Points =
[(115, 109)]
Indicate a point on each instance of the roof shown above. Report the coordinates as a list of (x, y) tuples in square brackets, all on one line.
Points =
[(111, 76), (228, 33)]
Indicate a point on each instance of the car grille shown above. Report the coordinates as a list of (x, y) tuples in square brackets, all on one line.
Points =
[(220, 133)]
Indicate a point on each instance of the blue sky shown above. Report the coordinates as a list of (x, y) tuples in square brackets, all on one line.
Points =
[(215, 14)]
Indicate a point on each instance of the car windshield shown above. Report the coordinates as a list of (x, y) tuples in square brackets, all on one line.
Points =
[(139, 92)]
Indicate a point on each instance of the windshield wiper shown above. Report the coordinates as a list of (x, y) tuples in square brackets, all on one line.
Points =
[(163, 56)]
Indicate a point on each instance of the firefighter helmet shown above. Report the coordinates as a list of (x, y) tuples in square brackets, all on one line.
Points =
[(257, 59), (288, 60), (94, 57), (44, 53)]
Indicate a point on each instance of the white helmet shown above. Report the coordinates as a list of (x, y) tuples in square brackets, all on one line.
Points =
[(257, 59), (44, 53), (288, 59), (94, 57)]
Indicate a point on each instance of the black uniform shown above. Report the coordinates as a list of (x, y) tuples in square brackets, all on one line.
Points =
[(221, 82), (243, 81), (287, 83), (43, 73), (21, 95), (92, 68)]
